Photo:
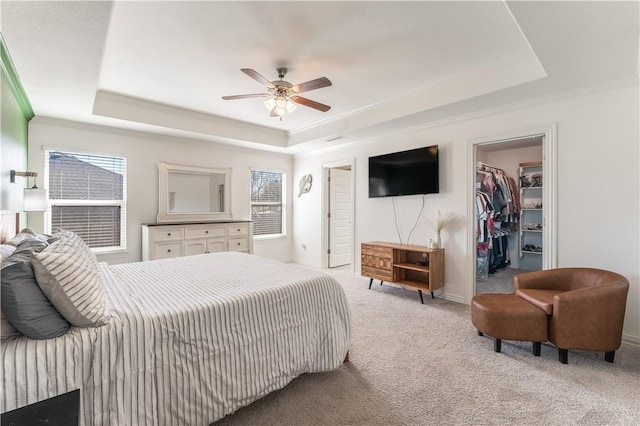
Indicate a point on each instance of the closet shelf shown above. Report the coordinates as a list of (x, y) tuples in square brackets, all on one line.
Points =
[(531, 214)]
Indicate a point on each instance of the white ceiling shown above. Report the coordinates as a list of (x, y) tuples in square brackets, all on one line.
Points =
[(164, 66)]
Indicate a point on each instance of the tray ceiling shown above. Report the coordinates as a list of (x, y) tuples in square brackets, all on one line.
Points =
[(163, 66)]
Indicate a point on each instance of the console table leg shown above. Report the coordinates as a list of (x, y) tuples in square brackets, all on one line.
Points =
[(370, 281), (421, 300), (381, 282), (432, 296)]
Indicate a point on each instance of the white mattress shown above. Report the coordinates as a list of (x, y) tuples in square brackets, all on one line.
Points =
[(190, 340)]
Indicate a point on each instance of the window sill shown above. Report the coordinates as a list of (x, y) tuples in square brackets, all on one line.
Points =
[(111, 254), (267, 238)]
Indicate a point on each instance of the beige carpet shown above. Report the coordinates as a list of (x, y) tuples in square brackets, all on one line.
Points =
[(414, 364)]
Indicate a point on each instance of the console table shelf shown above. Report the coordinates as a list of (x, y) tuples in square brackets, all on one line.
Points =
[(416, 267)]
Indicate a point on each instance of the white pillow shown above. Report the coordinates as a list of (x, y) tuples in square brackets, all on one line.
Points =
[(67, 273)]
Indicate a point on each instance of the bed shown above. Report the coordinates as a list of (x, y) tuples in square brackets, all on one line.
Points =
[(187, 341)]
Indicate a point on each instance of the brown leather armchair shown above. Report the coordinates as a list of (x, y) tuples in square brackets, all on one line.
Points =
[(585, 307)]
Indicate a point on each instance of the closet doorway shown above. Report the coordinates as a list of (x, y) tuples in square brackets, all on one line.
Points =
[(512, 223)]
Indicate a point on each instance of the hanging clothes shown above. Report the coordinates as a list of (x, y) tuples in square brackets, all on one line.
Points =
[(497, 214)]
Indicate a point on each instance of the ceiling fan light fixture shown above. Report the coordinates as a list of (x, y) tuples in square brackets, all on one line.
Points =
[(290, 106), (281, 96), (270, 103), (281, 103)]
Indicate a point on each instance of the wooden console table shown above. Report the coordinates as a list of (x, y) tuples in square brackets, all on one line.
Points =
[(416, 267)]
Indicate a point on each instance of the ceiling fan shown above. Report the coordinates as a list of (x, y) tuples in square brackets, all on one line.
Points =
[(281, 95)]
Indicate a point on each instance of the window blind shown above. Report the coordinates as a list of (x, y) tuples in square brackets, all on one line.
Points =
[(87, 194), (267, 202)]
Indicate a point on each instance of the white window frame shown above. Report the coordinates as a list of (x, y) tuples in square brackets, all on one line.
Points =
[(90, 203), (283, 234)]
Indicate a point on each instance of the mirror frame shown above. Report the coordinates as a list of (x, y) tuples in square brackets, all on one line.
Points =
[(164, 215)]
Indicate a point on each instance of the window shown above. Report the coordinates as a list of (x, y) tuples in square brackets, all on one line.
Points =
[(87, 195), (268, 203)]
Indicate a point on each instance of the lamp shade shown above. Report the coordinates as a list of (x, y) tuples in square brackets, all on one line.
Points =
[(35, 200)]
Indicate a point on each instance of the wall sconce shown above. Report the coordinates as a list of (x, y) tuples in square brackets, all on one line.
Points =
[(35, 199)]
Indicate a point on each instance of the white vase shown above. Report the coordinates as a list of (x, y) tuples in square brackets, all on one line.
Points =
[(437, 242)]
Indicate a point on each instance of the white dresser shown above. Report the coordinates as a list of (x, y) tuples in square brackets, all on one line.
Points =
[(165, 240)]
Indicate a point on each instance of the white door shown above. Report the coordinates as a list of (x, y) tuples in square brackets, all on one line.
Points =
[(340, 193)]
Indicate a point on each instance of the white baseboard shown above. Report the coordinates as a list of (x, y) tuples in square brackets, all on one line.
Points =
[(627, 339), (306, 263), (453, 298)]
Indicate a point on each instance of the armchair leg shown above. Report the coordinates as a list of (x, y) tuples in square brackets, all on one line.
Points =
[(536, 348), (563, 355), (608, 356), (497, 345), (480, 333)]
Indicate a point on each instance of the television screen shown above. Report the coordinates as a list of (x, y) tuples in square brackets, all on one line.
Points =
[(404, 173)]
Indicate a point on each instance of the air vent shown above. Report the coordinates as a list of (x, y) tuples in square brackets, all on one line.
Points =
[(335, 139)]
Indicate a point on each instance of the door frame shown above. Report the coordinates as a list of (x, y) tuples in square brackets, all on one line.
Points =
[(549, 195), (324, 228)]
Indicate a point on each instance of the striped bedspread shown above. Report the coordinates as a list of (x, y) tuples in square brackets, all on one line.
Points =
[(189, 341)]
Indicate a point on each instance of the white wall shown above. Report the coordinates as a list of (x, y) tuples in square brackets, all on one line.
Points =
[(143, 151), (598, 161)]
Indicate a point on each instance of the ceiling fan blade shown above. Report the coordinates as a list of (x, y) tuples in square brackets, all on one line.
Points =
[(253, 95), (311, 104), (259, 78), (312, 85)]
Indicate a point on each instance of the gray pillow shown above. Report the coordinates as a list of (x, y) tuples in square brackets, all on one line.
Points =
[(24, 250), (26, 306), (5, 252)]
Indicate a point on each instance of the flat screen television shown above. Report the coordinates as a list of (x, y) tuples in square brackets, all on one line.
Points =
[(404, 173)]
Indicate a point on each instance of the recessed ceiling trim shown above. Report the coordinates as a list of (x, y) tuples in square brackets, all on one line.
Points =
[(491, 77), (114, 105), (9, 71)]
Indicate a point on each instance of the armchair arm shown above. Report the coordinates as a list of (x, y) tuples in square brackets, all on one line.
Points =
[(589, 318), (551, 279)]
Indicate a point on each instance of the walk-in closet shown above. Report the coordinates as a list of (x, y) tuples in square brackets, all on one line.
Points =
[(508, 209)]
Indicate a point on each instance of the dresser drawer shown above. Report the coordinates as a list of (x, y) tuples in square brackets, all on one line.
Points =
[(238, 229), (210, 231), (167, 234), (167, 240), (379, 274), (238, 244), (168, 250), (377, 251), (376, 262)]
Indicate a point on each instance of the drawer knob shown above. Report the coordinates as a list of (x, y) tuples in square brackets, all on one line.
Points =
[(206, 232), (168, 250), (238, 243), (238, 229), (168, 234)]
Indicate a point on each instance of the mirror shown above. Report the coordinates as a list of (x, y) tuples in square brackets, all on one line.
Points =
[(188, 194)]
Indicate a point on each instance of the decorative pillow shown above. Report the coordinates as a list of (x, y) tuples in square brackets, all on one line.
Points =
[(5, 251), (19, 237), (24, 251), (26, 306), (6, 329), (67, 272), (27, 245)]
